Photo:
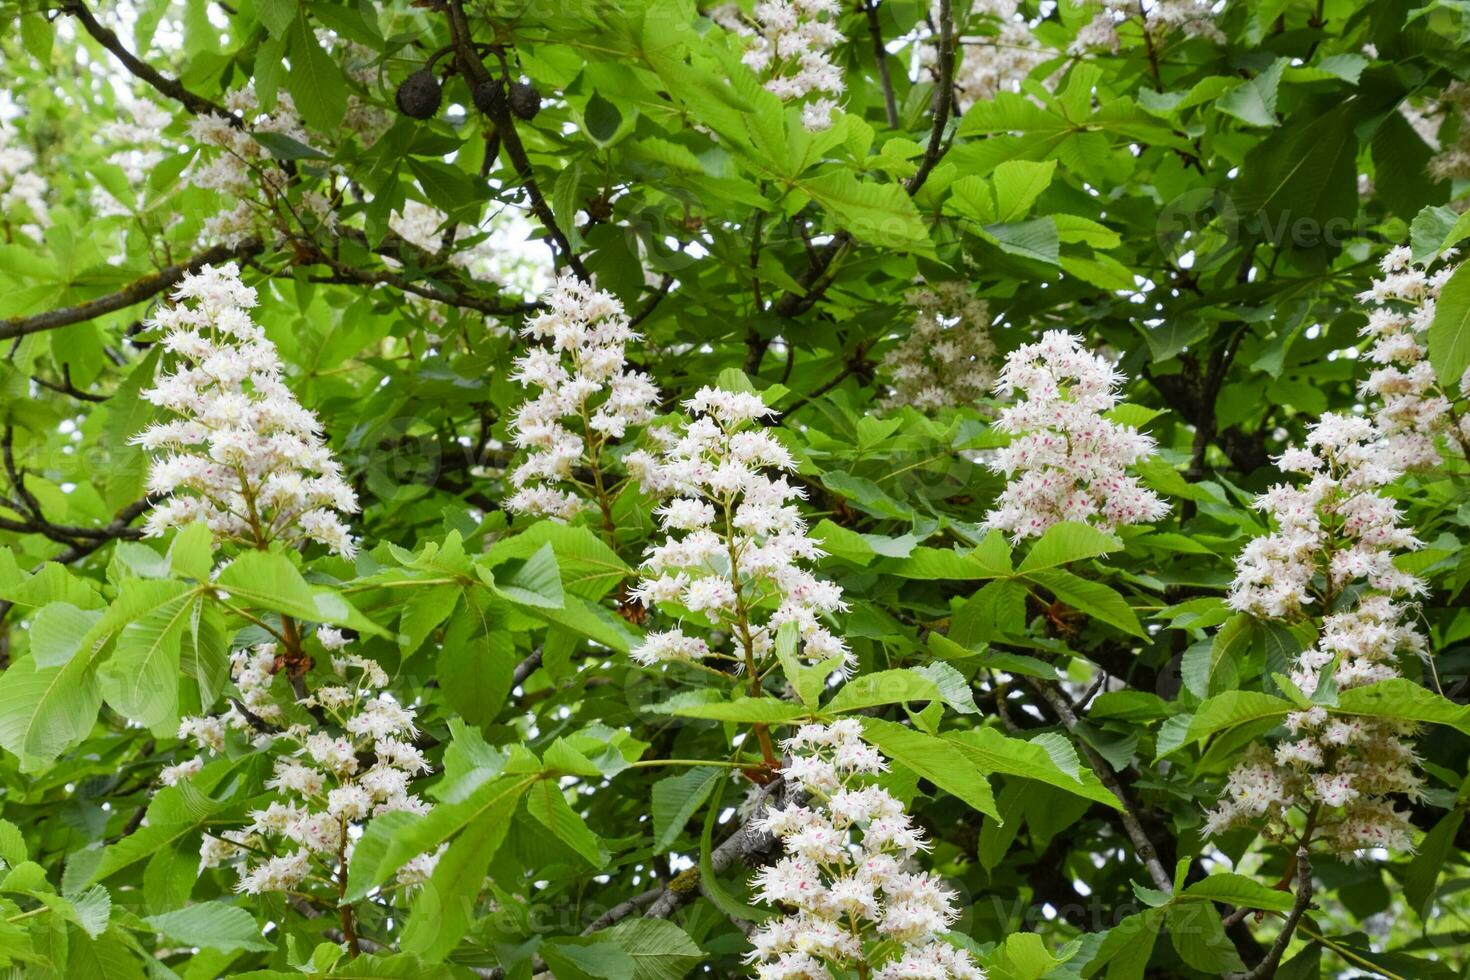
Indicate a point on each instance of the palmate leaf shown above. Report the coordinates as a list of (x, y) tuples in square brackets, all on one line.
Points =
[(213, 924), (46, 710)]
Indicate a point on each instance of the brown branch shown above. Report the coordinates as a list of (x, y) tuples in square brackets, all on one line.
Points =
[(943, 99), (880, 55), (170, 87), (821, 273), (1267, 967), (347, 273), (133, 293), (510, 140), (65, 387), (1147, 853), (652, 303)]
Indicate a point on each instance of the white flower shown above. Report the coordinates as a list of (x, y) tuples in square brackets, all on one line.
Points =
[(240, 454), (1408, 406), (736, 545), (1067, 462), (947, 356), (329, 780), (841, 879), (791, 47), (588, 399), (1339, 530)]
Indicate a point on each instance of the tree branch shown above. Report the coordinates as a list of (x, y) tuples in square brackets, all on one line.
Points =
[(1267, 967), (133, 293), (1147, 853), (475, 73), (943, 99), (170, 87), (880, 55)]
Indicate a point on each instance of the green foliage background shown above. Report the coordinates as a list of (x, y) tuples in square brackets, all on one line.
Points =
[(1205, 211)]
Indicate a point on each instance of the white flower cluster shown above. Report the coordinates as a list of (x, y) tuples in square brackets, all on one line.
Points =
[(1194, 18), (239, 168), (850, 900), (1067, 462), (234, 163), (1337, 770), (792, 48), (947, 357), (1336, 525), (582, 375), (362, 65), (243, 455), (1453, 162), (1411, 411), (328, 782), (22, 190), (736, 541), (136, 147), (996, 61)]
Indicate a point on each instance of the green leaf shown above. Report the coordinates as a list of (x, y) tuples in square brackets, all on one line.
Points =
[(675, 800), (1093, 598), (227, 928), (477, 660), (536, 583), (268, 580), (989, 751), (769, 711), (1254, 100), (57, 631), (942, 762), (602, 118), (141, 678), (1018, 183), (1449, 333), (315, 81), (1127, 947), (1305, 171), (1238, 890), (443, 910), (1198, 936), (447, 188), (1067, 542), (548, 804), (46, 710), (883, 687), (880, 214), (1403, 699), (283, 147), (1422, 875), (659, 949), (1231, 709)]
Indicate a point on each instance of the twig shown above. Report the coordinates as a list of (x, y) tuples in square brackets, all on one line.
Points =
[(880, 55), (170, 87), (133, 293), (943, 99), (652, 303), (475, 73), (351, 273), (1145, 848), (1267, 967), (65, 386)]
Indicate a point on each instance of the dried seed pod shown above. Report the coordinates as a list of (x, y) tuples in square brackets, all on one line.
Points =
[(419, 95), (525, 101)]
